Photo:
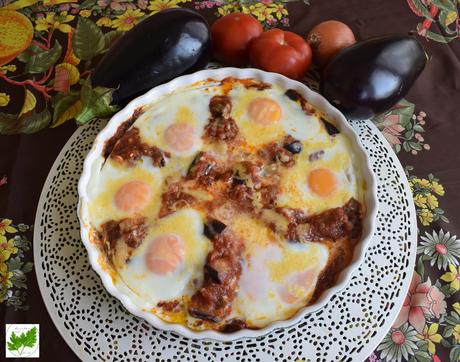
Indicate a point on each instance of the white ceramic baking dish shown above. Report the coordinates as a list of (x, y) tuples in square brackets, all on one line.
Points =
[(94, 159)]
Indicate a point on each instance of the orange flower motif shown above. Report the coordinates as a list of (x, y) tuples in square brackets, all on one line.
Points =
[(423, 300), (70, 56)]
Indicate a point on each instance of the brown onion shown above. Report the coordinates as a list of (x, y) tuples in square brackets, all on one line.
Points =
[(328, 38)]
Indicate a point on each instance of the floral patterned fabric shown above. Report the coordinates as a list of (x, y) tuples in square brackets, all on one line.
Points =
[(48, 49)]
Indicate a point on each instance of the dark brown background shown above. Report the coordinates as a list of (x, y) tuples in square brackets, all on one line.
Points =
[(27, 159)]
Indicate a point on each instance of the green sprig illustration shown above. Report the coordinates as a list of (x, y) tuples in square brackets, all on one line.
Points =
[(27, 339)]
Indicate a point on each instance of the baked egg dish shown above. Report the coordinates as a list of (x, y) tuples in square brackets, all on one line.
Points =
[(226, 204)]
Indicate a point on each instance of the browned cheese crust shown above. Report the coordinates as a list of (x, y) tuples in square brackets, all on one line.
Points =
[(221, 126), (130, 149), (121, 130), (129, 230), (213, 301)]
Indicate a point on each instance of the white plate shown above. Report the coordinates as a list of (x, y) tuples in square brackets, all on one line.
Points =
[(348, 328), (95, 158)]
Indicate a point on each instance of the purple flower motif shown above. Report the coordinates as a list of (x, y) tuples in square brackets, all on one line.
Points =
[(212, 3), (271, 22), (373, 358), (64, 7), (207, 4), (75, 11), (40, 16), (285, 21), (200, 5)]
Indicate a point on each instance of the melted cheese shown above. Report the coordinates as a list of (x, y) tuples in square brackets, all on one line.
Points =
[(154, 287), (254, 232), (295, 192), (278, 277), (293, 260), (111, 179)]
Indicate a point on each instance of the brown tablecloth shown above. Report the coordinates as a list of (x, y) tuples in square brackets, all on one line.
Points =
[(39, 92)]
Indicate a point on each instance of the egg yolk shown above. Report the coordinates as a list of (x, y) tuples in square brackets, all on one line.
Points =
[(322, 182), (180, 137), (264, 111), (165, 254), (286, 295), (133, 196), (303, 281)]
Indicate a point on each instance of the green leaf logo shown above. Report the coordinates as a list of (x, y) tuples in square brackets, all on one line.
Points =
[(19, 342)]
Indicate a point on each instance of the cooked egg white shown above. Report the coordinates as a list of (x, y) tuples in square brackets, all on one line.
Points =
[(187, 226), (278, 276), (278, 279), (298, 189), (292, 119), (111, 178), (176, 122)]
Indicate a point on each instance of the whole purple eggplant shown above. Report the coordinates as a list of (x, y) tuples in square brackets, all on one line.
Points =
[(163, 46), (371, 76)]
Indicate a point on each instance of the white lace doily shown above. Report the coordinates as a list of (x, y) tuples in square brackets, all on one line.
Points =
[(98, 328)]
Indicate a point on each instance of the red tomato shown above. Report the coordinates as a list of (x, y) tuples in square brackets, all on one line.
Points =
[(231, 37), (281, 52)]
